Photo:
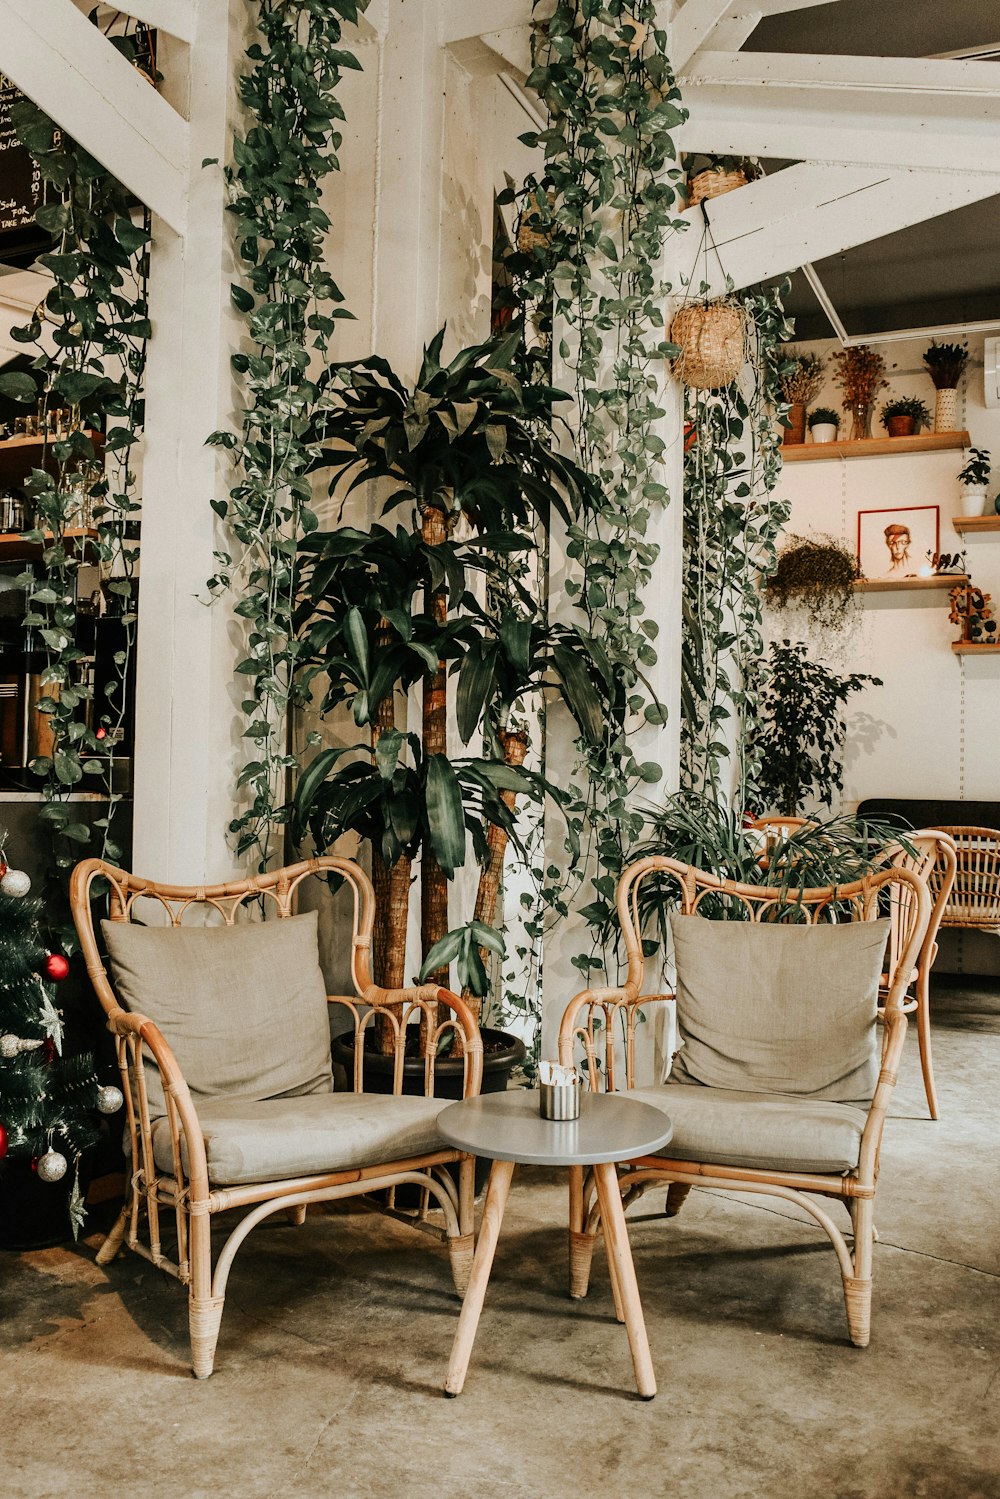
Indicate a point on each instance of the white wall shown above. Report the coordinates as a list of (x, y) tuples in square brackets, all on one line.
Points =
[(933, 729)]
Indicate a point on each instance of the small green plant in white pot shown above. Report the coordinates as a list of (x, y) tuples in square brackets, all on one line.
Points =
[(824, 424), (974, 477)]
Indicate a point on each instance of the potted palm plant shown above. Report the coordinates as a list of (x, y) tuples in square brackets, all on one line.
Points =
[(904, 415), (465, 465)]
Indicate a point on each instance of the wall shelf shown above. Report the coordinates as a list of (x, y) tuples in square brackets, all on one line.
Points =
[(885, 585), (873, 447), (19, 455), (14, 548), (976, 523), (970, 648)]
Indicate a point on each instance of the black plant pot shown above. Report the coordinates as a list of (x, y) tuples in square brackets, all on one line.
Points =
[(35, 1214), (502, 1053)]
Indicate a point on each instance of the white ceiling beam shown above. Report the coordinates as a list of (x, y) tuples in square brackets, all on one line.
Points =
[(63, 63), (862, 111), (175, 17), (731, 33), (693, 25), (810, 211), (782, 7), (463, 20)]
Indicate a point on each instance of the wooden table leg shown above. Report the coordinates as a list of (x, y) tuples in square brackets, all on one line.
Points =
[(489, 1232), (616, 1239)]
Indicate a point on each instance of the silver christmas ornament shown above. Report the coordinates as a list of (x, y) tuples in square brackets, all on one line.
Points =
[(9, 1046), (109, 1099), (52, 1166), (15, 882)]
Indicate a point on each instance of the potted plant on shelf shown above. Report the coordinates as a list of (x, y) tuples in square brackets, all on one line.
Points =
[(465, 464), (860, 373), (824, 424), (904, 415), (801, 379), (819, 574), (946, 365), (974, 475), (715, 175)]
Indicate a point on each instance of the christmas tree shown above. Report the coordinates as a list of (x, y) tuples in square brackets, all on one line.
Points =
[(48, 1100)]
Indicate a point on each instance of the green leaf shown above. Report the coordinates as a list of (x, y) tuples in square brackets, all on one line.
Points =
[(475, 682), (19, 387), (445, 814), (581, 696)]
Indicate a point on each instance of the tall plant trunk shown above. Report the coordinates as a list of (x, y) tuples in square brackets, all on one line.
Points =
[(515, 748), (433, 884), (392, 891)]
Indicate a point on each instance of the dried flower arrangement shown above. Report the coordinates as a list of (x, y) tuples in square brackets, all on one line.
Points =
[(802, 377), (860, 373), (819, 573), (946, 364)]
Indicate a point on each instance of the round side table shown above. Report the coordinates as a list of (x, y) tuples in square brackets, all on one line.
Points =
[(507, 1126)]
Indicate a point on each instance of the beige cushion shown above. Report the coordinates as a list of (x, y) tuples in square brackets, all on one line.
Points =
[(257, 1142), (243, 1008), (777, 1008), (768, 1130)]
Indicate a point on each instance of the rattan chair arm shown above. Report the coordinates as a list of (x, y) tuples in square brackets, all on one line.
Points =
[(125, 1023), (871, 1136), (605, 1002), (435, 994)]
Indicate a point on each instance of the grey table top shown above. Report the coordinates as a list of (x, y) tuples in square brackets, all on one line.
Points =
[(508, 1127)]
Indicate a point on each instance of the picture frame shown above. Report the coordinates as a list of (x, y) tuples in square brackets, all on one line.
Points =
[(894, 543)]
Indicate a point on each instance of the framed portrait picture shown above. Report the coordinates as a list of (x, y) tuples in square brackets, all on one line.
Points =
[(893, 545)]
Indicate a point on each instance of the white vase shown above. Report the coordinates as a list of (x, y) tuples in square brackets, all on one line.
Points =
[(824, 432), (946, 411), (973, 499)]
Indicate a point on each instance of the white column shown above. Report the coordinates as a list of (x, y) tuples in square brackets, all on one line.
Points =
[(188, 743)]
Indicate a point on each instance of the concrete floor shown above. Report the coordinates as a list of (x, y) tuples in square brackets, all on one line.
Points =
[(336, 1337)]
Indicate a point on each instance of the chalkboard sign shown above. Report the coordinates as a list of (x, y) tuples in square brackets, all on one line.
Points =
[(21, 189)]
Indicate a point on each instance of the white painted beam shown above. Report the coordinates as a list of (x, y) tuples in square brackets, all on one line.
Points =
[(176, 17), (911, 112), (63, 63), (464, 20), (810, 211), (693, 25), (731, 33)]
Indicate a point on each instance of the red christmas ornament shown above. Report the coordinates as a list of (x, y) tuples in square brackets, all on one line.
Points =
[(55, 967), (3, 1142), (101, 734), (49, 1050), (3, 868)]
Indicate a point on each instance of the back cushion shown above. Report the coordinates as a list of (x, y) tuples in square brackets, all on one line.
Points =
[(243, 1008), (774, 1008)]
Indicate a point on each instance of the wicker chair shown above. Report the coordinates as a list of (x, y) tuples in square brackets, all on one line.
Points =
[(595, 1018), (934, 862), (341, 1145), (974, 902)]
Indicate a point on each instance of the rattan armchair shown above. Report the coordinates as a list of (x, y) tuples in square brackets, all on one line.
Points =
[(599, 1022), (170, 1140), (974, 902)]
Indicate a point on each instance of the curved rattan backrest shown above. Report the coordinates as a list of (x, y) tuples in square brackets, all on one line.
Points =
[(701, 893), (774, 822), (275, 892), (974, 901), (933, 861)]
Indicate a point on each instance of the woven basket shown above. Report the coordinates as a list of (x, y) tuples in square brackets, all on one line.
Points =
[(711, 184), (712, 338)]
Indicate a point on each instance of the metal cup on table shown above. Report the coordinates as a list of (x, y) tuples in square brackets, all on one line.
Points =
[(559, 1091)]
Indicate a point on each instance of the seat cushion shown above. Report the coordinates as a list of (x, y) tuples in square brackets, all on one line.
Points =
[(287, 1137), (779, 1008), (770, 1131), (243, 1008)]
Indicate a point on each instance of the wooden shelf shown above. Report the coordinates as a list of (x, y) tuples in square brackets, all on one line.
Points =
[(14, 548), (19, 455), (970, 648), (873, 447), (976, 523), (886, 585)]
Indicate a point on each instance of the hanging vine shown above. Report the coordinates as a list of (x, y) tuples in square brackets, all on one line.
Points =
[(290, 305), (593, 230), (87, 340), (731, 527)]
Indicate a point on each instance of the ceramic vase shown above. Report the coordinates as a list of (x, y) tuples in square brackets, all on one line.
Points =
[(899, 426), (946, 411), (795, 432), (824, 432), (973, 499)]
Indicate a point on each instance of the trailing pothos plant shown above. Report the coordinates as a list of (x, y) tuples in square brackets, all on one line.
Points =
[(88, 341), (466, 464), (731, 527), (586, 279), (290, 304)]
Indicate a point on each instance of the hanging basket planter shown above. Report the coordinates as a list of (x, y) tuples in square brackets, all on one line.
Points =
[(713, 183), (712, 338)]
